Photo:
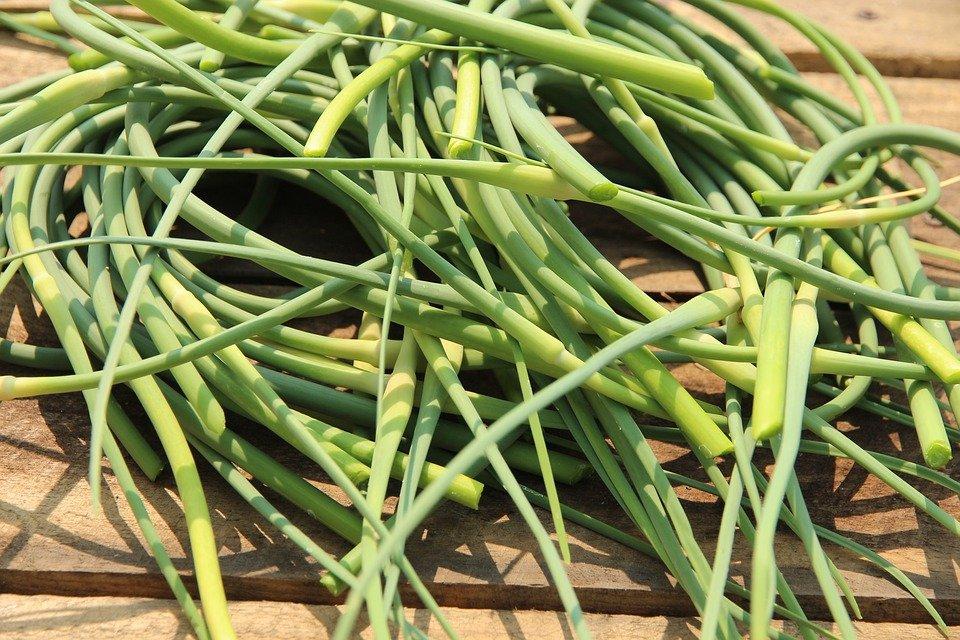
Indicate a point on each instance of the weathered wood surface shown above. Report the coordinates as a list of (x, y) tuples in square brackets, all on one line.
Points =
[(912, 38), (59, 618)]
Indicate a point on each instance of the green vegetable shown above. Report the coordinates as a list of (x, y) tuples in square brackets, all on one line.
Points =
[(428, 124)]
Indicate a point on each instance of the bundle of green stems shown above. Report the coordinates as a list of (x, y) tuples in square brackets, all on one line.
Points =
[(426, 126)]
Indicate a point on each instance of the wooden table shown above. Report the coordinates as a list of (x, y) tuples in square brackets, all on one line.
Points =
[(66, 573)]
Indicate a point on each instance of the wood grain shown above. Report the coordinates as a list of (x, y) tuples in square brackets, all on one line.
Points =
[(24, 58), (900, 37)]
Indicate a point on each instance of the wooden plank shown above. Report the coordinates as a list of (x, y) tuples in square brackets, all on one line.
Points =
[(23, 58), (900, 38), (103, 618)]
